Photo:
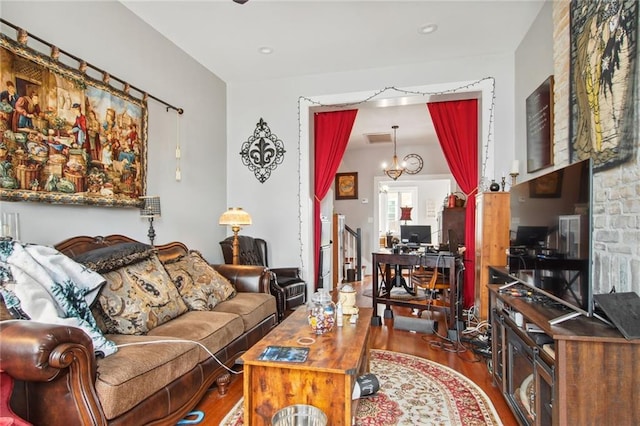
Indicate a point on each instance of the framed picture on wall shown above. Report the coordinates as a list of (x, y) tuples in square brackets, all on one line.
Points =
[(347, 186), (539, 111)]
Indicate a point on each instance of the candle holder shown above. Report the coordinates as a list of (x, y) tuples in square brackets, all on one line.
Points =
[(514, 178)]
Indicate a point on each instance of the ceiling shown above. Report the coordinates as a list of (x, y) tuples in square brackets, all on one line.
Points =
[(316, 37)]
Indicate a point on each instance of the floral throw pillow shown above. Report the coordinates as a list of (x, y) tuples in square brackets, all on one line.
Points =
[(139, 297), (200, 286)]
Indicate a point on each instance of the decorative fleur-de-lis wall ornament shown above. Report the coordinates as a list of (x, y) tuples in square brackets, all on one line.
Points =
[(262, 152)]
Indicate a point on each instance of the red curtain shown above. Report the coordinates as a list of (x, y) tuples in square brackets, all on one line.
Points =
[(332, 130), (456, 124)]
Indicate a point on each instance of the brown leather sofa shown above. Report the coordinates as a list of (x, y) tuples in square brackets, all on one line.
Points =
[(59, 380)]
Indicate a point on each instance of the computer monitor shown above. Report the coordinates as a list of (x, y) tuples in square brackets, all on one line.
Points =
[(415, 234), (531, 236)]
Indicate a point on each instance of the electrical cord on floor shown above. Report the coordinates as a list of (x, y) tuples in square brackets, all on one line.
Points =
[(457, 346), (230, 370)]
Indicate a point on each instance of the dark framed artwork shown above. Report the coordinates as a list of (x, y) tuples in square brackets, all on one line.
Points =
[(547, 186), (67, 138), (539, 111), (347, 186), (603, 81)]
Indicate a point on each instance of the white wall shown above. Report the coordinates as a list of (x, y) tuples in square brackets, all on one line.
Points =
[(277, 203), (534, 63), (110, 37)]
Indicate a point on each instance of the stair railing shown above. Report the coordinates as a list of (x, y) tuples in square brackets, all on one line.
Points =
[(353, 250)]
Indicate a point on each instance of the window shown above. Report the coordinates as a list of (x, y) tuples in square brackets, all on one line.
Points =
[(390, 203), (425, 197)]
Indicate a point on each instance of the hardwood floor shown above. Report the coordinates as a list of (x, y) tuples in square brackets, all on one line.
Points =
[(216, 406)]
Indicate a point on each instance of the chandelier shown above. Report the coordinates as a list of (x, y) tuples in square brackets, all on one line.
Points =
[(396, 170)]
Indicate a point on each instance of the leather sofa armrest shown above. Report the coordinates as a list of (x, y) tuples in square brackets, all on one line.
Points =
[(57, 367), (247, 278), (279, 294), (34, 351), (290, 272)]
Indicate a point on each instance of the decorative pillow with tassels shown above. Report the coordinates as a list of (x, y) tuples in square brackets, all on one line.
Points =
[(200, 286), (139, 297)]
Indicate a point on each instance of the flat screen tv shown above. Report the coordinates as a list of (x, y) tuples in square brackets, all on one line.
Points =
[(415, 234), (551, 247)]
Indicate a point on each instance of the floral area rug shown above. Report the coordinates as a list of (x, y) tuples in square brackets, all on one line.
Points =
[(414, 391)]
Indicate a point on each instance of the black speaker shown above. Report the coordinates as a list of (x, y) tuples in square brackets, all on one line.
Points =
[(419, 325)]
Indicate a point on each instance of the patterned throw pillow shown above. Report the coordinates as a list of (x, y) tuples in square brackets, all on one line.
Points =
[(139, 297), (200, 286), (109, 258)]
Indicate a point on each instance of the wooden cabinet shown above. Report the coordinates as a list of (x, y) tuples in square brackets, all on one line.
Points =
[(452, 218), (585, 373), (492, 241)]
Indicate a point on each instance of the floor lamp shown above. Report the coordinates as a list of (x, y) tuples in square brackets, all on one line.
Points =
[(150, 210), (235, 217)]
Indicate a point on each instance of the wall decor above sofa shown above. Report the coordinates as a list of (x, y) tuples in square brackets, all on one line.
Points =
[(67, 137)]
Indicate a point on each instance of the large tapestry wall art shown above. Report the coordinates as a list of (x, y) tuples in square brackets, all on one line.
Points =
[(603, 81), (67, 137)]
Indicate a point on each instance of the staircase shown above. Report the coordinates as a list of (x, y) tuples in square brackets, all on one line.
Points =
[(347, 252)]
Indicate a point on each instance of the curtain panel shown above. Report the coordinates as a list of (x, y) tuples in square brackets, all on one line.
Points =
[(331, 135), (456, 125)]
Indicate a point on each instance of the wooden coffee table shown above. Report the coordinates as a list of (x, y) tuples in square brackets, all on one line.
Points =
[(325, 380)]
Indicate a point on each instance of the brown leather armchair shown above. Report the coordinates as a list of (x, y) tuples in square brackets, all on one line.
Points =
[(287, 286)]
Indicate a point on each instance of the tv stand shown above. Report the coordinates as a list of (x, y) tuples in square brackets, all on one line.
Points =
[(577, 371)]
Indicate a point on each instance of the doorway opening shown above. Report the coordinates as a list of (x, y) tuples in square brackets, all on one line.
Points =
[(424, 194), (482, 89)]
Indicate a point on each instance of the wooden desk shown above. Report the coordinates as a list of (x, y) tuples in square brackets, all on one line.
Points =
[(432, 260), (325, 380)]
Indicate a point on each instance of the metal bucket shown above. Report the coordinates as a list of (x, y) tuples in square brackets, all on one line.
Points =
[(299, 415)]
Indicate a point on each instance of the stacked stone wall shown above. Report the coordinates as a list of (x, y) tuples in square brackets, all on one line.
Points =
[(616, 193)]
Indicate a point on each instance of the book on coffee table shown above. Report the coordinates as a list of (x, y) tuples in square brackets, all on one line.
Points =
[(284, 353)]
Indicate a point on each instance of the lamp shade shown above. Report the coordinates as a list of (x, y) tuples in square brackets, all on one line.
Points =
[(150, 206), (235, 216), (406, 213)]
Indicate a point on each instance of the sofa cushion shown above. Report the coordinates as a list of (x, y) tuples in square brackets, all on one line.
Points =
[(200, 286), (252, 307), (214, 330), (109, 258), (133, 373), (139, 297)]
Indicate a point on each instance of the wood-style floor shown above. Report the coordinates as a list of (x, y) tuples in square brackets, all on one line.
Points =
[(216, 406)]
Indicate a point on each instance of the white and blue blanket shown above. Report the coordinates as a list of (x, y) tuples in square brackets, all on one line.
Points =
[(46, 286)]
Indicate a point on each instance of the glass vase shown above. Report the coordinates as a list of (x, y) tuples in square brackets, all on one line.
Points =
[(321, 312)]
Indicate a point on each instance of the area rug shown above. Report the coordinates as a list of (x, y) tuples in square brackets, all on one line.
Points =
[(414, 391)]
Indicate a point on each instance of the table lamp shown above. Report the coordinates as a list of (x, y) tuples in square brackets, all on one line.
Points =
[(150, 209), (235, 217), (406, 214)]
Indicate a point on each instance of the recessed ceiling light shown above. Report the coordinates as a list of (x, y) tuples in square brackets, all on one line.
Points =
[(428, 29), (265, 50)]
